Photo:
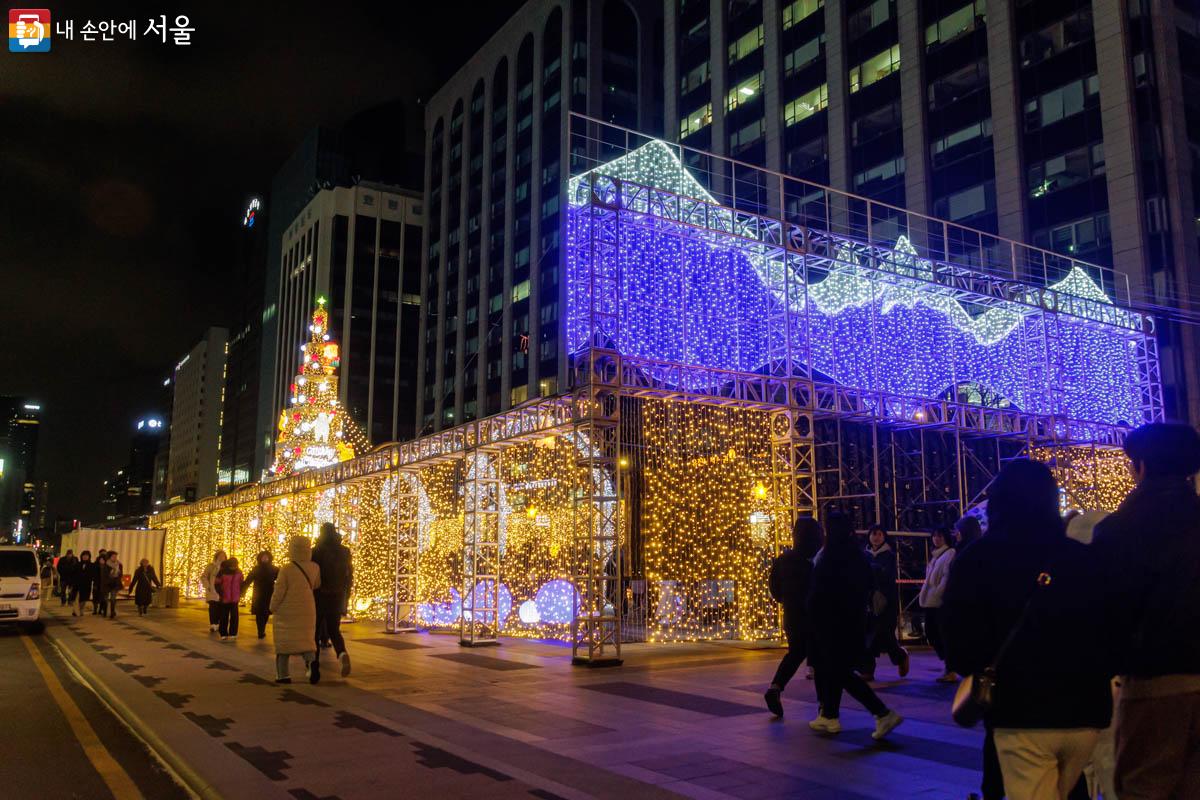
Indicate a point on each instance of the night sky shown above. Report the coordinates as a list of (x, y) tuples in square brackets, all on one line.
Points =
[(126, 166)]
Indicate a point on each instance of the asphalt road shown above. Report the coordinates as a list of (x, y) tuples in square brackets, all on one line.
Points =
[(58, 739)]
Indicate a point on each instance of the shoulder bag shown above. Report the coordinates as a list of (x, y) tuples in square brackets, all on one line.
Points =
[(976, 693)]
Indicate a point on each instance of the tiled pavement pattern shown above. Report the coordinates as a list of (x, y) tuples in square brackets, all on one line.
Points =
[(422, 717)]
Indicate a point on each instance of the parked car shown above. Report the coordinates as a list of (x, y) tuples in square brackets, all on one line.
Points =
[(20, 587)]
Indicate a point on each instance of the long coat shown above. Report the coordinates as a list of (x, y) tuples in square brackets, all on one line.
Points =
[(293, 606), (208, 580), (262, 578), (143, 580)]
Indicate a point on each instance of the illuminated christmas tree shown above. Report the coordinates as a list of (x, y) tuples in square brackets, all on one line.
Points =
[(315, 431)]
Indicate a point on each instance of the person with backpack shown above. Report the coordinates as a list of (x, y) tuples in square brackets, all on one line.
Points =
[(1150, 548), (789, 582), (333, 558), (837, 607), (1025, 604), (294, 608)]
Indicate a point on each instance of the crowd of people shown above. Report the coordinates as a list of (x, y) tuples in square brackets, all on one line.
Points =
[(305, 600), (82, 580), (1062, 629)]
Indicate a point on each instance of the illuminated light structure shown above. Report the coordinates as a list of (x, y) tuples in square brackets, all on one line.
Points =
[(314, 431), (729, 372)]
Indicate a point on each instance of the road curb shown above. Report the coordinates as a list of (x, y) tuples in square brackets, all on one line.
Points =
[(182, 769)]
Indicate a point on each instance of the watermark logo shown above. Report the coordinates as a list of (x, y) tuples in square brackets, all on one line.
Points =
[(29, 30)]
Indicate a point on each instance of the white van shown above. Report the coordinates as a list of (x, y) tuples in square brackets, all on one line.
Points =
[(20, 587)]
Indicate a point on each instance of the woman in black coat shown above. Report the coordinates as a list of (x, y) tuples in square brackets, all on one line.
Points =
[(789, 582), (881, 637), (262, 578), (1052, 695), (142, 585), (837, 606), (81, 581)]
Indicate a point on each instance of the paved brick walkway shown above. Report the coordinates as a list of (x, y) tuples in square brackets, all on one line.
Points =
[(421, 716)]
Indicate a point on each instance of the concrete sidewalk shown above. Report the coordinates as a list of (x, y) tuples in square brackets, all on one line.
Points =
[(422, 715)]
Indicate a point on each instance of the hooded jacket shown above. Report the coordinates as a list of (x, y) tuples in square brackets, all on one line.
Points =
[(790, 579), (1056, 673), (208, 581), (1150, 550), (293, 606), (837, 605), (333, 558)]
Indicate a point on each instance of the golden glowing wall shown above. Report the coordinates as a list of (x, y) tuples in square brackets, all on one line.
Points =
[(1093, 478)]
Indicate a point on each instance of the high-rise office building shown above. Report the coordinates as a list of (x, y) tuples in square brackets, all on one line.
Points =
[(239, 416), (128, 495), (359, 248), (22, 496), (195, 440), (495, 159), (1068, 124)]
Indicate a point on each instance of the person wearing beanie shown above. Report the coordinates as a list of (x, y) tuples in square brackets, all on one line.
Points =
[(1027, 580), (1151, 550)]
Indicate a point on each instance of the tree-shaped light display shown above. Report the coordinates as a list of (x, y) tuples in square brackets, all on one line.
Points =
[(315, 431)]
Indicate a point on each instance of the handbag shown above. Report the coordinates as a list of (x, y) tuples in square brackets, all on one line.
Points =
[(976, 693)]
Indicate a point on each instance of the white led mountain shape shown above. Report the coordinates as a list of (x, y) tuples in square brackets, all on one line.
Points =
[(656, 165)]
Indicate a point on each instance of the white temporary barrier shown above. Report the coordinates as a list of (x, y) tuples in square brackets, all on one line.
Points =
[(131, 546)]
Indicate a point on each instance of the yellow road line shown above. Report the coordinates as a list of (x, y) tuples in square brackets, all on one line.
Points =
[(114, 776)]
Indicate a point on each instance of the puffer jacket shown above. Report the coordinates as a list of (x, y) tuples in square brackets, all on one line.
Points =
[(293, 605), (937, 572), (208, 580)]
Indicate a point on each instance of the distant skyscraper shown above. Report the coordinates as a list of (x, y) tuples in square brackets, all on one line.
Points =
[(496, 156), (359, 247), (196, 419), (1062, 123), (128, 494), (239, 416), (20, 421)]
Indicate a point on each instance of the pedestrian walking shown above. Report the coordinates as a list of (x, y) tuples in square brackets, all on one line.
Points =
[(142, 585), (1150, 548), (228, 584), (100, 585), (837, 606), (116, 576), (66, 567), (208, 582), (789, 582), (82, 577), (262, 579), (1024, 603), (937, 572), (337, 575), (885, 613), (294, 607)]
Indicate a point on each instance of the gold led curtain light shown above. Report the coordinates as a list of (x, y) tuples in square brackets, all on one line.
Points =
[(700, 523)]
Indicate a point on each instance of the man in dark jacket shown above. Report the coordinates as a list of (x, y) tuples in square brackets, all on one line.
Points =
[(333, 558), (1151, 550), (789, 582), (66, 567), (1052, 695)]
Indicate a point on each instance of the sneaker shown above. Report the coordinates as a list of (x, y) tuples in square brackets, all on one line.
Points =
[(826, 725), (224, 638), (948, 677), (886, 724), (283, 680), (212, 628), (344, 657), (773, 702), (314, 674), (809, 674), (905, 663)]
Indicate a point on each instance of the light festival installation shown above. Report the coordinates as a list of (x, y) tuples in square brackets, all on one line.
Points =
[(704, 297), (691, 289)]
